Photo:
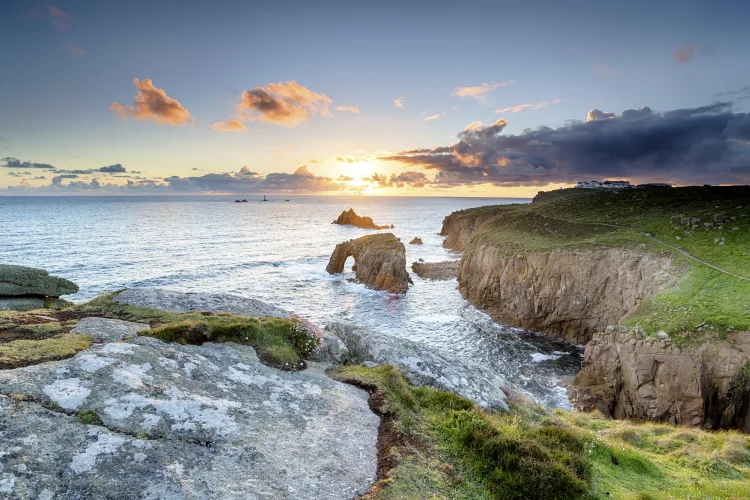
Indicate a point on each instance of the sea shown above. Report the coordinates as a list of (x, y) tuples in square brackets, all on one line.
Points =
[(277, 251)]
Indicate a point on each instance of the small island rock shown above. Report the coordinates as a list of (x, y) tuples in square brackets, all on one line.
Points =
[(416, 241), (379, 260), (350, 218)]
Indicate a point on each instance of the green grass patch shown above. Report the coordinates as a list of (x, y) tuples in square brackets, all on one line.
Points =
[(279, 342), (718, 233), (19, 353), (88, 417)]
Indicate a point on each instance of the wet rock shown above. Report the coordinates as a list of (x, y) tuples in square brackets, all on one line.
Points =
[(651, 379), (436, 270), (182, 422), (350, 218), (423, 365), (19, 281), (416, 241), (178, 302), (108, 330), (380, 261)]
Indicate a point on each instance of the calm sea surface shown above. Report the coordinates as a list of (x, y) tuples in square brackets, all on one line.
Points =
[(276, 252)]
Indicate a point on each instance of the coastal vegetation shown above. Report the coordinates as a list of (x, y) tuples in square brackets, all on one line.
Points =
[(437, 445), (706, 230)]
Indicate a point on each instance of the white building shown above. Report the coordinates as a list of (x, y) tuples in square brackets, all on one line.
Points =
[(589, 185)]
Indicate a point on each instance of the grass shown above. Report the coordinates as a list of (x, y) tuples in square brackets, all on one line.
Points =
[(19, 353), (88, 417), (439, 446), (276, 340), (579, 219)]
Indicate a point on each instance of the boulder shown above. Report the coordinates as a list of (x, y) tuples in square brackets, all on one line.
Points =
[(21, 303), (19, 281), (350, 218), (416, 241), (182, 422), (108, 330), (423, 365), (436, 270), (380, 261), (179, 302)]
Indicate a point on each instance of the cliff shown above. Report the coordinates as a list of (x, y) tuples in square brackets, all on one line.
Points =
[(574, 262)]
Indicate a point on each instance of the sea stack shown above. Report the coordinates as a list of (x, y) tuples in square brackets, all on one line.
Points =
[(350, 218), (379, 261)]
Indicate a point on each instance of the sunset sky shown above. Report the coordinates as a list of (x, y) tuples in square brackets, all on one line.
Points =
[(376, 98)]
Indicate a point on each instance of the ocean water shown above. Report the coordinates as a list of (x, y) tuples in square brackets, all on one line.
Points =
[(277, 252)]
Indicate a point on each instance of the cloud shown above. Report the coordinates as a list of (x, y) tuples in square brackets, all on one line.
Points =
[(433, 117), (480, 91), (285, 103), (60, 20), (116, 168), (684, 53), (737, 95), (228, 126), (708, 144), (604, 70), (152, 103), (75, 51), (57, 180), (596, 114), (351, 109), (523, 107), (409, 178), (16, 163), (399, 102)]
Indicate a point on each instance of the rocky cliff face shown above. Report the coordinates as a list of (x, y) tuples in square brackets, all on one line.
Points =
[(570, 295), (629, 375), (379, 261)]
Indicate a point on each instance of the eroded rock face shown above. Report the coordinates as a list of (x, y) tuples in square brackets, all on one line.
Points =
[(565, 294), (379, 260), (630, 375), (108, 330), (350, 218), (179, 302), (182, 422), (19, 281), (423, 365), (436, 270)]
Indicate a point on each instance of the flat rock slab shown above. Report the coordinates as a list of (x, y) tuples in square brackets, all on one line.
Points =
[(436, 270), (423, 365), (183, 422), (178, 302), (109, 330), (21, 303)]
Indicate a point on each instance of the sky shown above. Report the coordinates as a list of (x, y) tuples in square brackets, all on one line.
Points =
[(413, 98)]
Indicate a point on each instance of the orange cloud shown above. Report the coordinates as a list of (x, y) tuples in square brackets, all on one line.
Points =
[(152, 103), (684, 53), (351, 109), (228, 126), (399, 103), (480, 91), (283, 103), (523, 107), (432, 117), (60, 20)]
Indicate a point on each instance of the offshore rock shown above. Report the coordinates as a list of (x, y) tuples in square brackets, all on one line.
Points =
[(19, 281), (379, 260), (350, 218), (423, 365), (178, 302), (182, 422), (630, 375), (416, 241), (436, 270)]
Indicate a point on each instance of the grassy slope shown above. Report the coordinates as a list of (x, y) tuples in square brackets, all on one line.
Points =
[(578, 219), (448, 449)]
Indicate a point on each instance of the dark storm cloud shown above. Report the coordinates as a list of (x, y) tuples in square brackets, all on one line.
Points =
[(16, 163), (705, 144)]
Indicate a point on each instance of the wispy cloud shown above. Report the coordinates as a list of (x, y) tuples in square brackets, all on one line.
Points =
[(60, 20), (350, 109), (523, 107), (75, 51), (228, 126), (433, 117), (480, 91), (399, 102), (604, 70), (153, 103)]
